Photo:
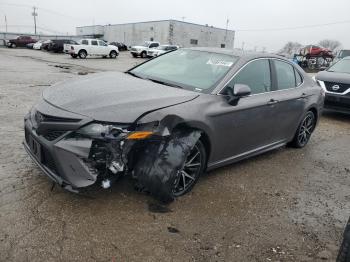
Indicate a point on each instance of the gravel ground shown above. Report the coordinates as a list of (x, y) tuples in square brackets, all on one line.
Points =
[(286, 205)]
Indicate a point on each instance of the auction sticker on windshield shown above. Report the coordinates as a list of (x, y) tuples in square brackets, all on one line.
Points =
[(219, 63)]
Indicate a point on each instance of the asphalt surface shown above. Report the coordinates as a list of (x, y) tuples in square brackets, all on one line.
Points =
[(286, 205)]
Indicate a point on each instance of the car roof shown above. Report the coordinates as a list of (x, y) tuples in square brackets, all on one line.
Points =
[(236, 52)]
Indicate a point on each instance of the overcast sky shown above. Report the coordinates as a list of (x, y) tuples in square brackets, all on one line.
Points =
[(64, 15)]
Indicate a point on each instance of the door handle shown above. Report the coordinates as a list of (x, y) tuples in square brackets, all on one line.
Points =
[(272, 102)]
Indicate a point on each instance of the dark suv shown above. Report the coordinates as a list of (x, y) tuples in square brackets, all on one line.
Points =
[(56, 45), (21, 41)]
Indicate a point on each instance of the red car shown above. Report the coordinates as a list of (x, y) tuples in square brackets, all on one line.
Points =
[(314, 50), (21, 41)]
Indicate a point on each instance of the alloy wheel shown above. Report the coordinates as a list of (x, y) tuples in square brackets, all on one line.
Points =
[(190, 173), (306, 129)]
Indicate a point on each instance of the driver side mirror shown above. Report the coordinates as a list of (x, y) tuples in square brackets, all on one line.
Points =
[(237, 92)]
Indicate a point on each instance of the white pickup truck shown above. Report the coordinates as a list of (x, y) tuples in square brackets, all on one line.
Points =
[(141, 50), (92, 47)]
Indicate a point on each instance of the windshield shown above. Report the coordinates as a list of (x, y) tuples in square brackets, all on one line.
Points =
[(343, 66), (190, 69), (344, 53)]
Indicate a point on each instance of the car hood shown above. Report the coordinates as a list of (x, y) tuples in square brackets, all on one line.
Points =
[(139, 47), (114, 97), (327, 76)]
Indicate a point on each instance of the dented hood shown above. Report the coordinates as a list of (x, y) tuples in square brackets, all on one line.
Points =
[(114, 97)]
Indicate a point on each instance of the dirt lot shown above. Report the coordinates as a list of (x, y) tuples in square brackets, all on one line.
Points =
[(286, 205)]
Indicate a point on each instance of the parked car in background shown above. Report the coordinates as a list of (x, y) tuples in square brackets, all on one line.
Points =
[(336, 82), (169, 119), (66, 46), (20, 41), (37, 45), (141, 50), (45, 45), (121, 46), (57, 45), (341, 54), (93, 47), (162, 49), (30, 45)]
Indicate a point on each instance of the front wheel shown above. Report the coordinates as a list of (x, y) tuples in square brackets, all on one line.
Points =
[(113, 54), (74, 55), (13, 45), (304, 131), (144, 55), (194, 167)]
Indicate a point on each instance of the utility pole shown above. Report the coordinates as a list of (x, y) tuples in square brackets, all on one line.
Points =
[(6, 23), (34, 14), (243, 45), (227, 21)]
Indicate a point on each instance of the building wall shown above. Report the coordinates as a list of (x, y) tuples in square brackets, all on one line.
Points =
[(204, 36), (137, 33), (165, 32), (12, 35)]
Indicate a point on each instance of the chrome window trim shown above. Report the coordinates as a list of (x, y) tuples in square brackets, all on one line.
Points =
[(263, 58)]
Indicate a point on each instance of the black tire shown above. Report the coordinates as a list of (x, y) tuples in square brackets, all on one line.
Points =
[(144, 54), (178, 189), (74, 55), (344, 251), (304, 131), (13, 45), (134, 55), (113, 54), (82, 54)]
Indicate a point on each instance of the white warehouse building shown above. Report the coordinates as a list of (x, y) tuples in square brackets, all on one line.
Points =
[(171, 32)]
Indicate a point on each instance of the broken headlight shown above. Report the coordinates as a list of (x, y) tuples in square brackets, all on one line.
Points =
[(97, 130)]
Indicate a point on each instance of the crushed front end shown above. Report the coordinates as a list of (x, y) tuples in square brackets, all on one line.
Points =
[(75, 151)]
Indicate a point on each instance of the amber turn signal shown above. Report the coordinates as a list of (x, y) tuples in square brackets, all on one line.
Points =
[(139, 135)]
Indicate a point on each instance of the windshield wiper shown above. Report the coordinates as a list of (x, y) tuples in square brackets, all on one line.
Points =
[(164, 83)]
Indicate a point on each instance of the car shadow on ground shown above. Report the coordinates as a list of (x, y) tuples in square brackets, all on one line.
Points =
[(336, 116)]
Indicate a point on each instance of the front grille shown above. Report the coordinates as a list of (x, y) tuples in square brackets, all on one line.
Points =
[(342, 87), (53, 134), (40, 117), (48, 160)]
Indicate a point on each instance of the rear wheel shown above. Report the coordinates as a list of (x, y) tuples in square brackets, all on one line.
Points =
[(82, 54), (304, 131), (113, 54), (194, 167)]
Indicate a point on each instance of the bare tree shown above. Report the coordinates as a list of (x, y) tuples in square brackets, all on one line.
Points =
[(290, 48), (330, 44)]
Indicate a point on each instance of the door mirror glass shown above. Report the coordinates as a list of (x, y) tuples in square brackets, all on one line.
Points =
[(241, 90)]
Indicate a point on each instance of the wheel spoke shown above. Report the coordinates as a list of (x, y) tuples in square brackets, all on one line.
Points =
[(193, 158), (187, 175)]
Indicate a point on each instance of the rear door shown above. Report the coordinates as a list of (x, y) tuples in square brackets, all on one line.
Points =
[(290, 98)]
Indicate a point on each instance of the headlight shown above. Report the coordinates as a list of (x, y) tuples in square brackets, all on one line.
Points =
[(97, 130)]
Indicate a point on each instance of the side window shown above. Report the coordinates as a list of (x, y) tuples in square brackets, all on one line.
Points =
[(101, 43), (285, 75), (153, 45), (256, 75), (298, 78), (84, 42), (94, 42)]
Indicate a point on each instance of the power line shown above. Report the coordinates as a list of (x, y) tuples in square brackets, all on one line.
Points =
[(293, 28)]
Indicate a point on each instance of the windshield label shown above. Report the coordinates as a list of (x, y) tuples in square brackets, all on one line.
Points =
[(219, 63)]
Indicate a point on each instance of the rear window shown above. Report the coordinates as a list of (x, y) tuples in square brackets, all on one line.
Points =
[(285, 75), (94, 42)]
